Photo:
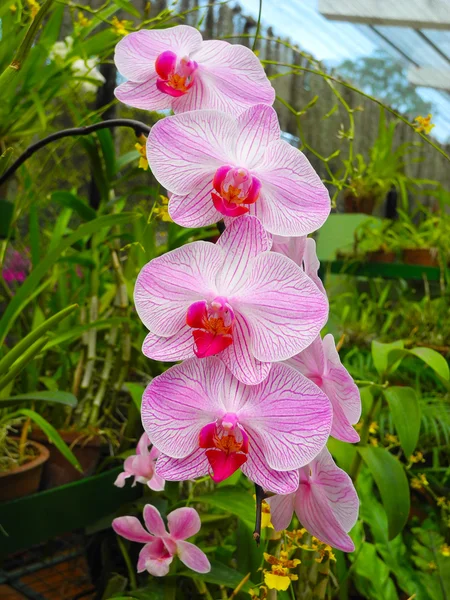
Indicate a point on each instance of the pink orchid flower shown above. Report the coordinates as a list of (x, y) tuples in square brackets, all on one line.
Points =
[(17, 265), (320, 362), (141, 466), (302, 250), (326, 503), (161, 546), (204, 421), (234, 298), (174, 68), (216, 165)]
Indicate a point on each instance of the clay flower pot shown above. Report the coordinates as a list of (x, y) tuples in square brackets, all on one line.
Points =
[(358, 204), (380, 256), (425, 257), (24, 480), (58, 470)]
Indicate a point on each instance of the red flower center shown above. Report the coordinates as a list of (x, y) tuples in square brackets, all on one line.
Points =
[(212, 324), (176, 76), (234, 187)]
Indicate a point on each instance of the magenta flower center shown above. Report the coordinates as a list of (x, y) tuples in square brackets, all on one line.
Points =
[(212, 324), (227, 446), (234, 187), (317, 379), (175, 75)]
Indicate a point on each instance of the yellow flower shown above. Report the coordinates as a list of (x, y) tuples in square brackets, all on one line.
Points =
[(278, 578), (265, 514), (418, 483), (391, 439), (82, 20), (34, 7), (141, 147), (417, 457), (424, 124), (442, 501), (373, 427), (119, 27), (13, 8), (373, 441), (161, 212), (445, 550)]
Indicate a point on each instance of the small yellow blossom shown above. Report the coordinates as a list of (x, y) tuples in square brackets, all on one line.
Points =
[(373, 427), (326, 552), (424, 124), (265, 514), (441, 501), (261, 593), (432, 565), (358, 426), (373, 441), (13, 8), (141, 147), (278, 578), (161, 212), (418, 483), (445, 550), (120, 27), (417, 457), (83, 20), (34, 7), (391, 439)]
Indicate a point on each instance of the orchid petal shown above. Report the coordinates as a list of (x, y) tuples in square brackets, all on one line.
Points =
[(155, 559), (145, 95), (178, 403), (288, 417), (282, 306), (183, 523), (311, 361), (293, 199), (171, 349), (131, 529), (193, 557), (143, 444), (120, 480), (233, 76), (153, 521), (258, 471), (244, 239), (258, 127), (311, 264), (136, 53), (223, 465), (281, 510), (196, 209), (181, 469), (239, 358), (169, 284), (185, 150), (292, 247), (156, 483)]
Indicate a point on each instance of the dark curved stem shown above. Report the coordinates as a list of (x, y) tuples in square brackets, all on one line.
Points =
[(260, 495), (138, 127)]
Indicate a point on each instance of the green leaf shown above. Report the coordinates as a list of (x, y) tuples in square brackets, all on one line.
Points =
[(52, 435), (128, 7), (136, 392), (434, 360), (236, 502), (23, 294), (55, 397), (6, 215), (69, 200), (75, 332), (392, 484), (34, 335), (109, 154), (380, 354), (405, 409), (220, 574)]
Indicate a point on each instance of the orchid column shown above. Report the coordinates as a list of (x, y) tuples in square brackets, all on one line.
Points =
[(258, 389)]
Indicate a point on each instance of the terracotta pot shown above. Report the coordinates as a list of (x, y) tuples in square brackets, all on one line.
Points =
[(58, 470), (358, 204), (24, 480), (425, 257), (379, 256)]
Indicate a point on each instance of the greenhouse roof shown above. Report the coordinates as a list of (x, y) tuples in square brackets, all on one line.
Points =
[(334, 41)]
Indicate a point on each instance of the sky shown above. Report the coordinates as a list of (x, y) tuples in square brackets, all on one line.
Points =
[(332, 42)]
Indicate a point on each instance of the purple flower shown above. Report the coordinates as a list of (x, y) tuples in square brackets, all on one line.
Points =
[(141, 466), (204, 421), (325, 502), (216, 165), (174, 68), (161, 546), (320, 362), (234, 298), (16, 267)]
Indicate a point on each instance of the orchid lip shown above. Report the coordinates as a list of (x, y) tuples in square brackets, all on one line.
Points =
[(212, 324), (234, 189), (175, 76)]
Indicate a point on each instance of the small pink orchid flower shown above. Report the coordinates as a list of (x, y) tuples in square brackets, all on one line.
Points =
[(17, 265), (320, 362), (216, 165), (141, 466), (161, 546), (302, 250), (204, 421), (174, 68), (326, 503), (234, 298)]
